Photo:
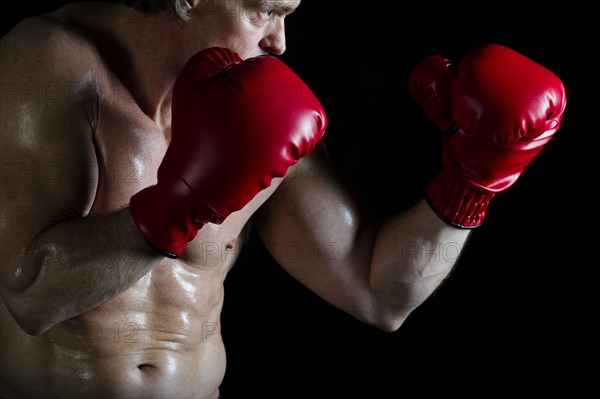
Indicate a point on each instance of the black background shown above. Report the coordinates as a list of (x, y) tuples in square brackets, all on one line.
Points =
[(513, 301)]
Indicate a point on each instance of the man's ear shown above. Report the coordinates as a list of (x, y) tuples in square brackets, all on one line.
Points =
[(189, 5)]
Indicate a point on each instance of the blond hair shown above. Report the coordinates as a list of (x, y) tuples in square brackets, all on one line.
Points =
[(175, 8)]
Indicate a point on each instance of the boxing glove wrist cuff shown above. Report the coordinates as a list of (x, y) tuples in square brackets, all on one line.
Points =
[(458, 202), (168, 215)]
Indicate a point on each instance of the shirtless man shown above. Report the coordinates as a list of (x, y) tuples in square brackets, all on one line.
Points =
[(110, 283)]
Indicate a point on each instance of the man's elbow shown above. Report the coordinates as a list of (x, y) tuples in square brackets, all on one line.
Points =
[(29, 318), (385, 321), (390, 324)]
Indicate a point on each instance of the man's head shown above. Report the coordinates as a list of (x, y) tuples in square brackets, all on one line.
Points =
[(248, 27)]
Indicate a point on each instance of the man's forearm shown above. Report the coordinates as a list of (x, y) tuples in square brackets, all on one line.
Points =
[(78, 265), (414, 253)]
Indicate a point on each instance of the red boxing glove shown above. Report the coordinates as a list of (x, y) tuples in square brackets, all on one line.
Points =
[(236, 125), (498, 109)]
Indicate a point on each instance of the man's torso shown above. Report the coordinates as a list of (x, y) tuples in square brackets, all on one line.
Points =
[(159, 338)]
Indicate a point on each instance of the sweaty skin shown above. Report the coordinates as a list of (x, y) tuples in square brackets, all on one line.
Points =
[(159, 336), (88, 308)]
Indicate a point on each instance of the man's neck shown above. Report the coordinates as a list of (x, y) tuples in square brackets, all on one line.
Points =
[(153, 45)]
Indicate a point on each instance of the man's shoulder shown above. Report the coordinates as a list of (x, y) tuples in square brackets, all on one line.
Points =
[(47, 68), (46, 47)]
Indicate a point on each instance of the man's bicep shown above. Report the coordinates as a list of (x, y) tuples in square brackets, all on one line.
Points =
[(48, 112), (316, 230), (49, 170)]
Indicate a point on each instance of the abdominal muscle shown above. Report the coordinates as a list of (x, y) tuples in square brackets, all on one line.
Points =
[(158, 339)]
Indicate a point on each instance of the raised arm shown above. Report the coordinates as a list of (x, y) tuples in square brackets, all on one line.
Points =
[(498, 110), (57, 262), (319, 232)]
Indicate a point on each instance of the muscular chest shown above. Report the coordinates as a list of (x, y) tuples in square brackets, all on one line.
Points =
[(130, 148)]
